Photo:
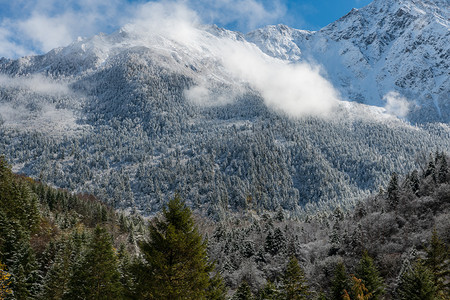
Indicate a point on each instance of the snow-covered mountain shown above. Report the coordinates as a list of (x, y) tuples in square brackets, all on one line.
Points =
[(389, 45), (233, 121)]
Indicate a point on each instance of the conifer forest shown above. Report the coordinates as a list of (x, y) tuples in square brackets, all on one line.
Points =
[(170, 158), (391, 245)]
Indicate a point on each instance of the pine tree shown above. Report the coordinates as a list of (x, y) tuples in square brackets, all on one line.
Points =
[(125, 269), (370, 277), (56, 281), (392, 190), (97, 276), (216, 289), (294, 282), (175, 259), (431, 170), (243, 292), (340, 282), (417, 284), (414, 182), (269, 292), (437, 261), (443, 170)]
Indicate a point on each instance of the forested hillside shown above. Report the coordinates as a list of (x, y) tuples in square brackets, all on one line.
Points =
[(396, 232), (57, 245), (136, 116), (392, 245)]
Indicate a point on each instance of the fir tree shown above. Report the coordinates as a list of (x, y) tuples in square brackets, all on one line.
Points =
[(56, 281), (176, 264), (216, 289), (269, 292), (443, 170), (414, 182), (97, 276), (431, 170), (392, 190), (340, 282), (437, 261), (294, 282), (417, 284), (370, 277), (243, 292)]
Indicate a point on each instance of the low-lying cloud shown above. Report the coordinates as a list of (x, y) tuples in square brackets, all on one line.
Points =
[(35, 83), (396, 104), (32, 104), (294, 89)]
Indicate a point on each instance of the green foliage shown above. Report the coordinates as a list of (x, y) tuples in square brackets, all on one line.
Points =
[(243, 292), (175, 257), (97, 276), (368, 273), (294, 282), (269, 292), (438, 262), (417, 284), (47, 241), (340, 282)]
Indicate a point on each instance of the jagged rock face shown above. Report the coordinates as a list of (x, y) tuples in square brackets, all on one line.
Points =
[(401, 46)]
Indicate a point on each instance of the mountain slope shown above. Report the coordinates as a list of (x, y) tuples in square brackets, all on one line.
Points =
[(136, 116), (400, 46)]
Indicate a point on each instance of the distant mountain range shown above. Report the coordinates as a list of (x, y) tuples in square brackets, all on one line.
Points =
[(275, 118)]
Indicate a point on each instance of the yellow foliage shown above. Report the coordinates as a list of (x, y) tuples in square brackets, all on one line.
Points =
[(4, 282), (359, 290)]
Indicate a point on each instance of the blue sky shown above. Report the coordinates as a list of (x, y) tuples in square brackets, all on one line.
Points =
[(37, 26)]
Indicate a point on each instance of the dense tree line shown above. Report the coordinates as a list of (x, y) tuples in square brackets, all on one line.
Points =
[(57, 245), (136, 140), (393, 245)]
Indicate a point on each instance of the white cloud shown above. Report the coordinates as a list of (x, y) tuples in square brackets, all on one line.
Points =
[(172, 19), (41, 25), (396, 104), (32, 106), (36, 83), (47, 33), (9, 48), (293, 89)]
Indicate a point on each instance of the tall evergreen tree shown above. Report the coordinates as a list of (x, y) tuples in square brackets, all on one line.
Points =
[(97, 276), (368, 273), (269, 292), (56, 281), (443, 170), (414, 182), (393, 190), (294, 282), (243, 292), (437, 260), (417, 284), (340, 283), (175, 259)]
